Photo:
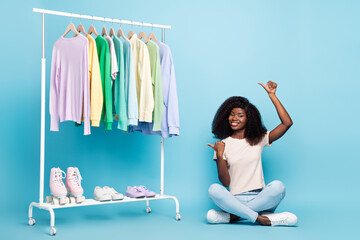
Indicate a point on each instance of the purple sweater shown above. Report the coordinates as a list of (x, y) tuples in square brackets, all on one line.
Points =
[(69, 82)]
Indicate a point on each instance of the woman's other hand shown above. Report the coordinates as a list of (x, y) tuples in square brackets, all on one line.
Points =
[(219, 148), (270, 87)]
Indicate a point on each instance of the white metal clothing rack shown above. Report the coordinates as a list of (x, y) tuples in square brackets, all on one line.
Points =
[(88, 202)]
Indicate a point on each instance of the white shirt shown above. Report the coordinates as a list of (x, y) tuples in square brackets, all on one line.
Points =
[(244, 164)]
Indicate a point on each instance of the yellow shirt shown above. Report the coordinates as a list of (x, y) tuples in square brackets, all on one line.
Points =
[(143, 80), (96, 95)]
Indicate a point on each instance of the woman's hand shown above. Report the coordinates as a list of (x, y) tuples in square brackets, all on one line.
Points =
[(219, 148), (270, 87)]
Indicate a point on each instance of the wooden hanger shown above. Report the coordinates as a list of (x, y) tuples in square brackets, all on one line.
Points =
[(112, 32), (130, 34), (121, 34), (81, 29), (153, 37), (142, 35), (104, 32), (92, 30), (71, 27)]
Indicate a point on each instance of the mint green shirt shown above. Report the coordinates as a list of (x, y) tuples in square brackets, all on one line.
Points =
[(156, 84), (119, 86)]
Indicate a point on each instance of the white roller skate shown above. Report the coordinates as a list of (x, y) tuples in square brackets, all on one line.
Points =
[(73, 185), (57, 188)]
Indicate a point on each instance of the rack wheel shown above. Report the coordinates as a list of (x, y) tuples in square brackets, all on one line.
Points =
[(148, 210), (178, 217), (31, 221), (52, 231)]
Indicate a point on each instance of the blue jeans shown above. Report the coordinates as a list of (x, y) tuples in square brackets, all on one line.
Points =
[(247, 205)]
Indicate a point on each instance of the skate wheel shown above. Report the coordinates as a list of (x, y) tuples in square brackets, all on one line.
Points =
[(148, 210), (31, 221), (80, 199), (72, 200), (178, 217), (52, 231), (55, 201), (49, 199)]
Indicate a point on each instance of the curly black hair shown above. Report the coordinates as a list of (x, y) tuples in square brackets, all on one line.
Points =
[(254, 128)]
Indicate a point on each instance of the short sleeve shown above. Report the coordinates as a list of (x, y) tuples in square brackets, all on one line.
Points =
[(265, 140)]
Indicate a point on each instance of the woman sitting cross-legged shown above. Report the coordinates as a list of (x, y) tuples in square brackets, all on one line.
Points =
[(238, 159)]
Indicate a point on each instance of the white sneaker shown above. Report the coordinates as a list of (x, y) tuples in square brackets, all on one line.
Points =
[(281, 219), (101, 195), (215, 216), (113, 193)]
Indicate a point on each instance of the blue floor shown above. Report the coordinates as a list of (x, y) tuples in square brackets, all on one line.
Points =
[(316, 221)]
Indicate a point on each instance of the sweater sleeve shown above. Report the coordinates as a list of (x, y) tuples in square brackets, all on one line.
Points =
[(158, 94), (146, 105), (96, 90), (108, 90), (133, 107), (54, 91), (173, 106), (86, 94), (122, 124)]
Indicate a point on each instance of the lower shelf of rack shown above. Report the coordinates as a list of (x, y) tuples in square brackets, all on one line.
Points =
[(91, 202)]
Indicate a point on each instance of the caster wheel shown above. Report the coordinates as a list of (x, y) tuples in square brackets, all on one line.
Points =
[(178, 217), (31, 221), (52, 231), (148, 210)]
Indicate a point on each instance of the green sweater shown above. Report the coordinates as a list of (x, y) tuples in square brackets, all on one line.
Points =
[(105, 72), (156, 83), (119, 86)]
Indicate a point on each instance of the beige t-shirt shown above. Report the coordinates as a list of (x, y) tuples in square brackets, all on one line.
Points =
[(244, 164)]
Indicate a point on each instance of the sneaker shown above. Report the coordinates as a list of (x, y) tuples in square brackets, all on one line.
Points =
[(215, 216), (282, 219), (113, 193), (146, 191), (134, 192), (101, 195)]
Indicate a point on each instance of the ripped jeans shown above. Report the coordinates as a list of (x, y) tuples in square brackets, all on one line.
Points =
[(248, 205)]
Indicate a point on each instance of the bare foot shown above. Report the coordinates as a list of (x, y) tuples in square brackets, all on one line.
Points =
[(263, 220), (233, 217)]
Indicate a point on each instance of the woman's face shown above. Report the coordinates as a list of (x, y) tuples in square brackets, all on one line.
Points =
[(237, 119)]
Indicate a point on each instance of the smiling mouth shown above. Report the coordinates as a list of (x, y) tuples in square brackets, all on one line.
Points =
[(234, 124)]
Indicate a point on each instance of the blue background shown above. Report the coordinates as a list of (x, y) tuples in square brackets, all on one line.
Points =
[(220, 49)]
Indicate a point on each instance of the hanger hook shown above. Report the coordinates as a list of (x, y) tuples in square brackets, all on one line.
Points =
[(80, 19), (71, 17), (92, 18), (104, 22)]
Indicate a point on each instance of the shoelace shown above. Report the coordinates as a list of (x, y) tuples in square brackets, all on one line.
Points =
[(279, 220), (75, 176), (58, 177)]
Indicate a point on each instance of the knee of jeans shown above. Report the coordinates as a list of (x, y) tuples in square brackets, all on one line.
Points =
[(279, 187), (214, 190)]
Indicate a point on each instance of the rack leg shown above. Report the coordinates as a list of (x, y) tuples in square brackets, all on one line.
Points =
[(31, 220), (178, 216), (148, 209)]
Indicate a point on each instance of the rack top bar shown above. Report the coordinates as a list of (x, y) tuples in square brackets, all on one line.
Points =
[(103, 19)]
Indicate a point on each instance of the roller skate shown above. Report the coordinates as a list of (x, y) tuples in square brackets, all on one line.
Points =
[(73, 185), (57, 188)]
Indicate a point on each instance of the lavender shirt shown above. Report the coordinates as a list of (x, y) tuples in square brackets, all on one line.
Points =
[(69, 82)]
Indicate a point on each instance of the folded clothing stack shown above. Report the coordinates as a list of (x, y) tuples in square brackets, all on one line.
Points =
[(107, 194), (139, 192)]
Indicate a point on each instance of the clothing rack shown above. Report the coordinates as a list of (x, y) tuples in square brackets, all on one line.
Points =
[(88, 202)]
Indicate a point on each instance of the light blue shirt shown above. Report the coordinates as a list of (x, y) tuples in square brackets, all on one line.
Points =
[(129, 84)]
